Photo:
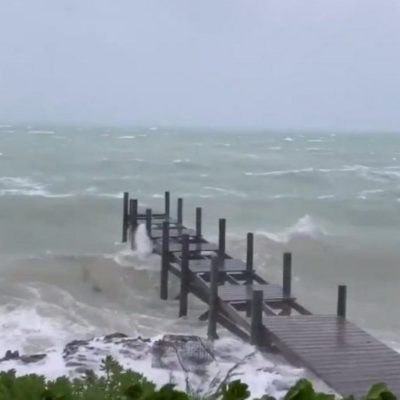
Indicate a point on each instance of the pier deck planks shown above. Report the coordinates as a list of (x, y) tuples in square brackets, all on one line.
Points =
[(344, 356)]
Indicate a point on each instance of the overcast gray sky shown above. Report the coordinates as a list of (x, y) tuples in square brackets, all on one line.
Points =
[(286, 64)]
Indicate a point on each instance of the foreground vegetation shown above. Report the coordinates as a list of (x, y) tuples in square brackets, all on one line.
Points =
[(119, 384)]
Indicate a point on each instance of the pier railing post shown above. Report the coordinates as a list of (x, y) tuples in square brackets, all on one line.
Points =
[(256, 318), (133, 208), (341, 305), (125, 206), (222, 239), (198, 223), (167, 205), (164, 261), (213, 300), (287, 275), (149, 221), (183, 298), (180, 212)]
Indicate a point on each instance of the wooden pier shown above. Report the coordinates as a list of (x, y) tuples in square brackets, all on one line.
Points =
[(265, 314)]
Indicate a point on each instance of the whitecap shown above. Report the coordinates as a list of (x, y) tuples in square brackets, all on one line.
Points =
[(280, 172), (306, 226), (41, 132), (315, 140), (226, 192), (127, 137), (289, 139), (275, 148), (313, 148)]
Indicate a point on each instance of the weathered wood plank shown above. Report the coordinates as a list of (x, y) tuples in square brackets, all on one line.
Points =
[(227, 265), (272, 293)]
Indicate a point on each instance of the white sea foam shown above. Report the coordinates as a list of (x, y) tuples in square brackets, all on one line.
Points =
[(140, 257), (127, 137), (289, 139), (306, 226), (263, 375)]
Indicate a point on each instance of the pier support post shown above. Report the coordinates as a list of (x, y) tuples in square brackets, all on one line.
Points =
[(222, 238), (249, 258), (180, 212), (183, 298), (249, 267), (198, 223), (213, 300), (125, 205), (287, 275), (149, 221), (133, 209), (341, 305), (256, 318), (167, 205), (164, 261)]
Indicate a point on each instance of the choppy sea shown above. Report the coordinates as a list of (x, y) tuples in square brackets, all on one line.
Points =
[(332, 199)]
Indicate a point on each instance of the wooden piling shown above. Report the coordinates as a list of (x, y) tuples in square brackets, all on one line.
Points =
[(125, 206), (256, 330), (341, 305), (164, 261), (213, 300), (222, 239), (183, 298), (133, 209), (180, 212), (149, 221), (198, 223), (249, 258), (249, 267), (287, 274), (167, 205)]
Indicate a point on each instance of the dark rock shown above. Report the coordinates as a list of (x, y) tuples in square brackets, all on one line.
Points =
[(10, 355), (180, 352), (72, 347), (116, 335), (32, 358)]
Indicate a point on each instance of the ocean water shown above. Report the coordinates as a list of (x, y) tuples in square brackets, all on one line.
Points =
[(332, 199)]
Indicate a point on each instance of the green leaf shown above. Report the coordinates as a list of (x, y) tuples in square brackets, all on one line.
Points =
[(236, 390), (324, 396), (134, 392), (302, 390), (379, 391)]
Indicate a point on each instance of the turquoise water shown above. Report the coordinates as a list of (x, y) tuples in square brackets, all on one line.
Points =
[(332, 199)]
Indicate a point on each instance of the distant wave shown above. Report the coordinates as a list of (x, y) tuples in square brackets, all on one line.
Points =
[(127, 137), (41, 132), (226, 192)]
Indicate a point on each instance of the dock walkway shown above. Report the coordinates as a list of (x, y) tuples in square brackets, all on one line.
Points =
[(265, 314)]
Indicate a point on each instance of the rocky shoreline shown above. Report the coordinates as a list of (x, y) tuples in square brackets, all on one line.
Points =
[(180, 359)]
